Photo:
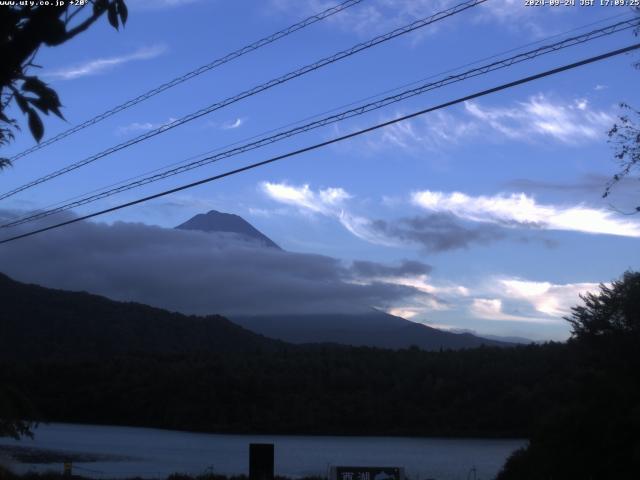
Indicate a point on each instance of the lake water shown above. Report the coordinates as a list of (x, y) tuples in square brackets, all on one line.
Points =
[(151, 453)]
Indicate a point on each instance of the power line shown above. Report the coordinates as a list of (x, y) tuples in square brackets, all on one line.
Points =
[(360, 110), (423, 22), (316, 146), (192, 74), (335, 109)]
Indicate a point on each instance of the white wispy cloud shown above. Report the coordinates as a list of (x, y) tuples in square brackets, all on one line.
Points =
[(493, 309), (537, 119), (383, 15), (513, 299), (545, 297), (515, 15), (493, 298), (329, 202), (522, 211), (371, 16), (135, 127), (431, 132), (567, 122), (102, 65)]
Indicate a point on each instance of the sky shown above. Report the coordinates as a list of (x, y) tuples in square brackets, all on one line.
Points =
[(486, 216)]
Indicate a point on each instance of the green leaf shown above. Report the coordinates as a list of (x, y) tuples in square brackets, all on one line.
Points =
[(53, 32), (99, 6), (35, 125), (40, 104), (35, 85), (22, 103), (112, 14), (123, 11), (46, 105), (56, 111)]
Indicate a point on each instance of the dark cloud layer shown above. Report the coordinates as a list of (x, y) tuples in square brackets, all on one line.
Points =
[(589, 187), (196, 272), (589, 183), (406, 268), (437, 232)]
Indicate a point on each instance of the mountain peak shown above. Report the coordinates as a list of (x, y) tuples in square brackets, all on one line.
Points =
[(219, 222)]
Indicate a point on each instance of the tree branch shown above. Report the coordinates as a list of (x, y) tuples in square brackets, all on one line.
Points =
[(84, 25)]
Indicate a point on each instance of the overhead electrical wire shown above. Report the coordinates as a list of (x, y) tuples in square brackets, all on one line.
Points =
[(335, 109), (192, 74), (316, 146), (423, 22), (360, 110)]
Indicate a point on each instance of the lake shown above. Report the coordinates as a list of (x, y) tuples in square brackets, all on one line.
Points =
[(103, 451)]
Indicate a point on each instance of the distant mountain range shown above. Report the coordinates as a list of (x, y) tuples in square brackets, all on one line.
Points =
[(227, 223), (38, 322), (374, 329)]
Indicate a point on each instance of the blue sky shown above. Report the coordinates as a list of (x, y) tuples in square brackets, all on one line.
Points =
[(500, 196)]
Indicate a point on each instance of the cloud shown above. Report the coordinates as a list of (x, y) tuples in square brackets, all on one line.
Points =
[(102, 65), (141, 127), (537, 119), (492, 309), (570, 123), (411, 274), (512, 299), (326, 202), (591, 182), (435, 233), (591, 185), (406, 313), (373, 269), (518, 301), (515, 15), (371, 16), (198, 273), (382, 15), (431, 132), (329, 202), (546, 297), (522, 211)]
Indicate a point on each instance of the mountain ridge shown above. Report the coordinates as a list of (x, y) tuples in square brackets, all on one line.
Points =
[(374, 329), (219, 222), (39, 321)]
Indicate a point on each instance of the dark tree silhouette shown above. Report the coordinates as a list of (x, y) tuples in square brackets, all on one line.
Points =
[(23, 30), (594, 432), (615, 310), (625, 138)]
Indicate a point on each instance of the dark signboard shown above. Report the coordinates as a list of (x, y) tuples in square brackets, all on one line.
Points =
[(261, 461), (368, 473)]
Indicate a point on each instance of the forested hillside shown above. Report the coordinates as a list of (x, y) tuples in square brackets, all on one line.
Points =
[(37, 322), (320, 390)]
